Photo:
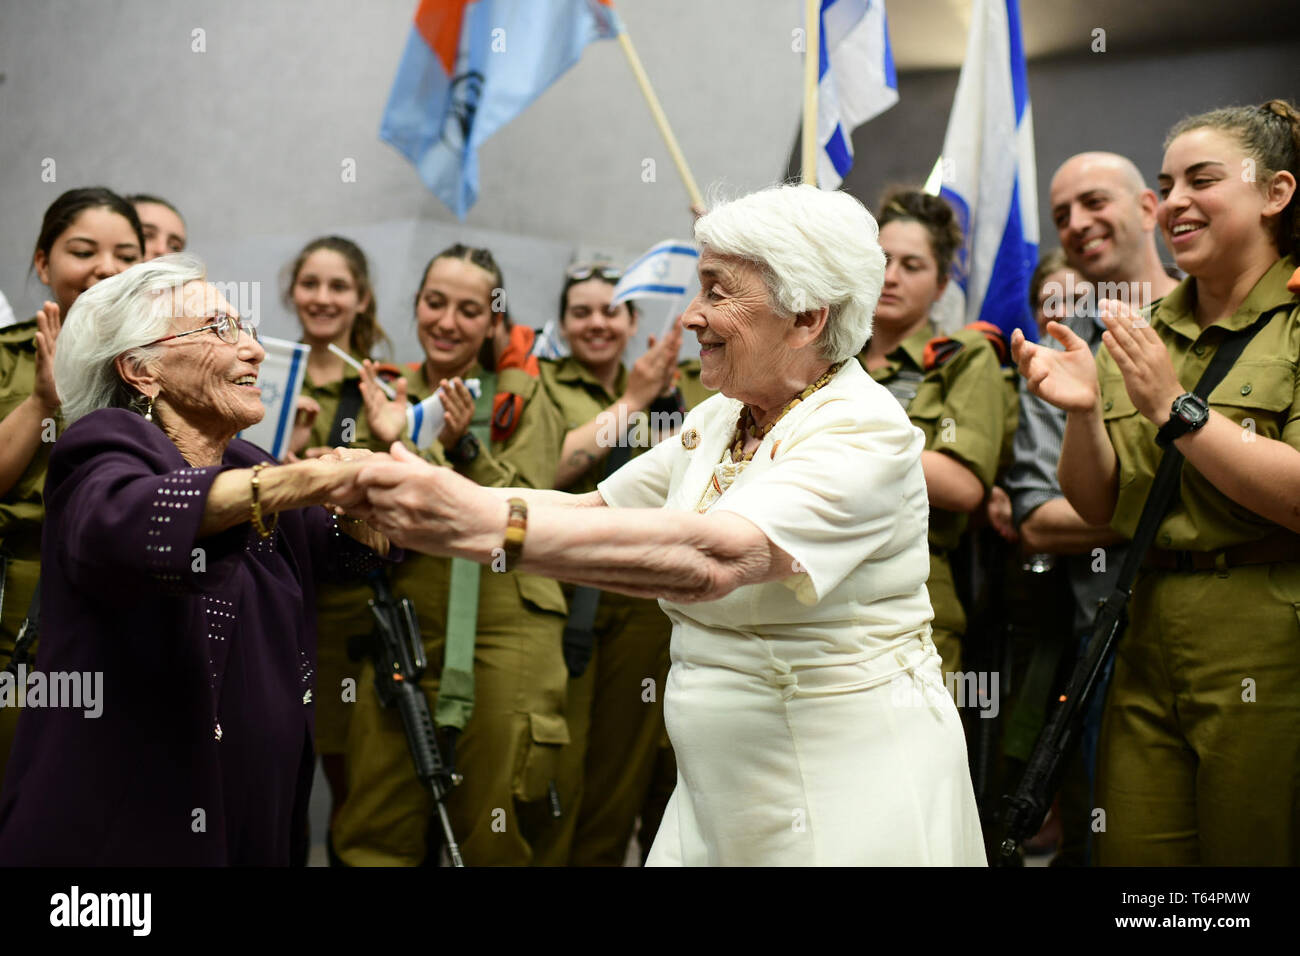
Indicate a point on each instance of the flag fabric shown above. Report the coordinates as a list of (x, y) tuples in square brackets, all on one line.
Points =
[(987, 171), (280, 378), (665, 271), (6, 312), (549, 343), (856, 80), (470, 67), (424, 421)]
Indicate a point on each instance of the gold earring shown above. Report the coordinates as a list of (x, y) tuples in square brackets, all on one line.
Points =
[(148, 412)]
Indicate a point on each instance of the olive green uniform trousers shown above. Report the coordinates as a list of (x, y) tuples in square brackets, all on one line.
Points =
[(509, 752), (616, 708), (1200, 739)]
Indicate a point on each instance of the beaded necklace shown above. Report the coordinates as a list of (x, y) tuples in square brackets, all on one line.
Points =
[(746, 426)]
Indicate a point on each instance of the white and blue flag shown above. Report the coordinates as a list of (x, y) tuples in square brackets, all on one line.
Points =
[(987, 171), (665, 271), (280, 378), (424, 421), (856, 81)]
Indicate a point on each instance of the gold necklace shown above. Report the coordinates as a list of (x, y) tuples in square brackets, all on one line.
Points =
[(746, 425)]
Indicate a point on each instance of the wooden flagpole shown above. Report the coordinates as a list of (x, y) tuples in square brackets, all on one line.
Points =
[(661, 120), (811, 65)]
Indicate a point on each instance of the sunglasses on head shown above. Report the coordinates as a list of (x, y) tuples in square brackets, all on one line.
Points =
[(600, 270)]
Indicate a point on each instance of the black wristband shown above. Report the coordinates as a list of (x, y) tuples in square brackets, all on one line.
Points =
[(464, 452)]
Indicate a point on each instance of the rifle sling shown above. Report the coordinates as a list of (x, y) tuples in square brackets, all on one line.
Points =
[(349, 406), (456, 684)]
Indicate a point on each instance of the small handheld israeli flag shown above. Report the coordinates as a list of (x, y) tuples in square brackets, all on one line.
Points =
[(424, 421), (664, 272), (280, 378)]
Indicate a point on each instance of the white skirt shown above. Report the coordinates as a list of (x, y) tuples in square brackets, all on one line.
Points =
[(858, 764)]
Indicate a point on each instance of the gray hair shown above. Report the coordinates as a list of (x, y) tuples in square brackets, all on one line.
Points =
[(119, 316), (814, 248)]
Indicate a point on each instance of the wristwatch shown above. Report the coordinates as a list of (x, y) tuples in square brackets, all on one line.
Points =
[(463, 453), (1189, 413)]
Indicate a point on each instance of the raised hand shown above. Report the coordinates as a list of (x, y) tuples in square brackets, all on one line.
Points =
[(1143, 360), (47, 331), (458, 404), (304, 418), (652, 374), (387, 419), (1066, 379)]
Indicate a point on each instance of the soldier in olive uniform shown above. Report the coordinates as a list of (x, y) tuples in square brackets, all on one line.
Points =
[(504, 812), (615, 707), (87, 235), (1199, 759), (331, 293), (951, 387)]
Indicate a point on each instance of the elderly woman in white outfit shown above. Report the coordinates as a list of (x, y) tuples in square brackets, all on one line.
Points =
[(784, 531)]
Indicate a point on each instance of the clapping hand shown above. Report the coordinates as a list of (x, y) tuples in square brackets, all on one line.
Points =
[(1149, 376), (653, 373), (387, 418), (47, 331), (1066, 379), (458, 408)]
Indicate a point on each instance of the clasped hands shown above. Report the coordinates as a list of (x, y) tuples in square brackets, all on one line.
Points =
[(1068, 379), (411, 502)]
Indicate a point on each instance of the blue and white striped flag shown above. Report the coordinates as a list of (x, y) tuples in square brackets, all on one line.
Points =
[(664, 272), (856, 80), (280, 379), (424, 421), (987, 170)]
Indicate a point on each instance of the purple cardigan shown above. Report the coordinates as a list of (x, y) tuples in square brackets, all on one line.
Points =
[(202, 754)]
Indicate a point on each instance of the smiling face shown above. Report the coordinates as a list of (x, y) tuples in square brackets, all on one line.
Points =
[(99, 243), (1103, 215), (597, 333), (1211, 217), (742, 338), (164, 231), (327, 298), (453, 315), (201, 381), (912, 281)]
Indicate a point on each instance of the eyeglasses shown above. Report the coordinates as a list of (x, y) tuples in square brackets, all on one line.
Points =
[(584, 271), (227, 328)]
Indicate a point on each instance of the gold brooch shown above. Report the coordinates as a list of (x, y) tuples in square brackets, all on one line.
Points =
[(690, 438)]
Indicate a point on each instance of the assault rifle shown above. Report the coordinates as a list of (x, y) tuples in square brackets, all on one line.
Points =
[(398, 655)]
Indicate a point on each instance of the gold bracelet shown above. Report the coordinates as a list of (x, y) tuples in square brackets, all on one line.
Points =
[(516, 528), (262, 529)]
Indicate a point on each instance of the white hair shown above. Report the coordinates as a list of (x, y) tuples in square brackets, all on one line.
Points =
[(119, 315), (814, 248)]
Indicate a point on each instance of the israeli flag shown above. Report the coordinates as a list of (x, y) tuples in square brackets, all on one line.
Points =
[(664, 272), (424, 421), (856, 80), (280, 378), (549, 343), (987, 171)]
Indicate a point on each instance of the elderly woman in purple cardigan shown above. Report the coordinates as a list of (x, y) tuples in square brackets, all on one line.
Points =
[(178, 572)]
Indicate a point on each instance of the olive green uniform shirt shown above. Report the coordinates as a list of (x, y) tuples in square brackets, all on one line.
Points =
[(960, 406), (1260, 393), (22, 507)]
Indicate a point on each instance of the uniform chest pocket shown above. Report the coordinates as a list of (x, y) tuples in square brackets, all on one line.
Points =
[(1132, 436), (926, 412), (1257, 394)]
